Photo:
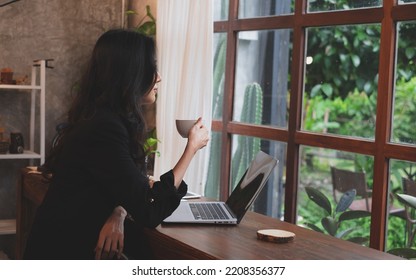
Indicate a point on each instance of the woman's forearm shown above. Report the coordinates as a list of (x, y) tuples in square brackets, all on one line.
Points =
[(182, 165), (198, 138)]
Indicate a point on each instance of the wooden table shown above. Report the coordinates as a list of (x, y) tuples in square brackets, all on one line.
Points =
[(240, 242), (183, 241)]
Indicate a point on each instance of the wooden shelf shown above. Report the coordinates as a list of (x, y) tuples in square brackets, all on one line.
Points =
[(22, 87), (37, 89), (7, 226), (25, 155)]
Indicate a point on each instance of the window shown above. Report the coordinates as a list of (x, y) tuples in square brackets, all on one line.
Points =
[(322, 6), (319, 85)]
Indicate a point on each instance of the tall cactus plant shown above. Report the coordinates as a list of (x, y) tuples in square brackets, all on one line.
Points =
[(248, 147), (251, 113)]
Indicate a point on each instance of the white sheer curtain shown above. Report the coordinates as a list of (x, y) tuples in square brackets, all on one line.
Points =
[(184, 42)]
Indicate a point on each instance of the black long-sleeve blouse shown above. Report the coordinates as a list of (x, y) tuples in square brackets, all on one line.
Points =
[(95, 173)]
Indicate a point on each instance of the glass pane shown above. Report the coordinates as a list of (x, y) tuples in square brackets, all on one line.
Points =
[(404, 111), (221, 10), (341, 80), (220, 47), (270, 201), (402, 218), (262, 77), (325, 177), (255, 8), (406, 1), (212, 186), (331, 5)]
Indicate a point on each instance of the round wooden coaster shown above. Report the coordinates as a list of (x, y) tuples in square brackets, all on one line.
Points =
[(275, 235)]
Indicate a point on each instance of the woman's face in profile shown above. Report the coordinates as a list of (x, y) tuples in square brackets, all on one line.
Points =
[(150, 97)]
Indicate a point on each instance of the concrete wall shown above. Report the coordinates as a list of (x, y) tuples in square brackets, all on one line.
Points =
[(36, 29)]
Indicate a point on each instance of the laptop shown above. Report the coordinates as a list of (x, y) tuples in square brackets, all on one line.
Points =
[(236, 206)]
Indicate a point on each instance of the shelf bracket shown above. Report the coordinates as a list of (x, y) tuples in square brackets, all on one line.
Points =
[(36, 62)]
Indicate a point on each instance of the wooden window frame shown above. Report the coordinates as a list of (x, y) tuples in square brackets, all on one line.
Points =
[(380, 148)]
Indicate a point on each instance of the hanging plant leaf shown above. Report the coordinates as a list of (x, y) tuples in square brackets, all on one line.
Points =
[(130, 12), (147, 28), (345, 200), (319, 198)]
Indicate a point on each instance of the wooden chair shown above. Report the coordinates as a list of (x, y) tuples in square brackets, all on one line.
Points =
[(345, 180), (409, 188)]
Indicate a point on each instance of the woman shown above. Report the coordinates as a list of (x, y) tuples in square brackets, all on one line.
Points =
[(98, 167)]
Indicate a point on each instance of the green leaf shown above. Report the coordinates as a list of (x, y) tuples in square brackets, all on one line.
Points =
[(410, 53), (315, 90), (368, 87), (130, 12), (355, 60), (319, 198), (327, 89), (149, 13), (407, 199), (150, 146), (152, 141), (147, 28), (314, 227), (343, 57), (359, 240), (345, 200), (406, 253), (344, 233), (351, 215), (330, 225)]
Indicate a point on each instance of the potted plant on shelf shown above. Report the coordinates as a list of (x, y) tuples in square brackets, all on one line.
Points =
[(145, 27), (150, 149), (6, 76), (4, 143)]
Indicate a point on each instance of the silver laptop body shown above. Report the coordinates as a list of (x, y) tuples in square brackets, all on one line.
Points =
[(233, 210)]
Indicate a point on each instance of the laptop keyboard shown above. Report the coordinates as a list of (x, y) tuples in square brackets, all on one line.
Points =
[(207, 211)]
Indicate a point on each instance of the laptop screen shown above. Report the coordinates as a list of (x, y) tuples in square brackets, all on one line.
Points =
[(251, 184)]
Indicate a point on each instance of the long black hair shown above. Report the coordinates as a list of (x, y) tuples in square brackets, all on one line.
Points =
[(122, 70)]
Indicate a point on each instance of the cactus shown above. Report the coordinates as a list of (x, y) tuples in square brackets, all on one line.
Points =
[(251, 113), (248, 147)]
